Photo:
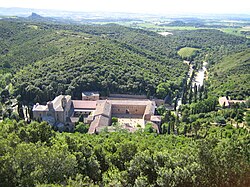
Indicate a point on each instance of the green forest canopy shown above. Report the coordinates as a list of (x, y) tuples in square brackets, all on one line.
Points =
[(231, 76), (50, 59), (33, 154)]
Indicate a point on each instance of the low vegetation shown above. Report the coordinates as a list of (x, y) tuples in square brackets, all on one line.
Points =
[(187, 52), (34, 155)]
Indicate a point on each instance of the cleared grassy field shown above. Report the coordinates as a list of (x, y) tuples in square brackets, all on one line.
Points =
[(157, 28), (246, 29), (234, 31), (154, 26), (187, 52)]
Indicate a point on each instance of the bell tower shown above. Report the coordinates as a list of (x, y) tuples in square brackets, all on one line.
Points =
[(64, 102)]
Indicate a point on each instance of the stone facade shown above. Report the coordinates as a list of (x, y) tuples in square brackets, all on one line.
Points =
[(98, 113)]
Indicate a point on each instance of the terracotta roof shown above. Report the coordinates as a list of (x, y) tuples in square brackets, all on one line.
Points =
[(103, 112), (130, 102), (103, 107), (81, 104), (99, 121), (57, 102), (150, 105), (92, 127), (102, 116), (127, 97)]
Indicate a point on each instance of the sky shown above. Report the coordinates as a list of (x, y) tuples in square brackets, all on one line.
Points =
[(138, 6)]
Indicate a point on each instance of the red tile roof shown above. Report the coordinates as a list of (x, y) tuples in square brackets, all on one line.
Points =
[(80, 104)]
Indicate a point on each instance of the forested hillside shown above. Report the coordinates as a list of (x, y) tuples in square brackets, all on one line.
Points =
[(201, 144), (231, 76), (49, 59), (33, 154)]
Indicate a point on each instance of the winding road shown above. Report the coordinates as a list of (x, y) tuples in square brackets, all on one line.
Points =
[(198, 79)]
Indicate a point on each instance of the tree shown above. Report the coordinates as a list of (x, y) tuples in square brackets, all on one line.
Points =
[(190, 96), (149, 128), (20, 110), (220, 120), (164, 127), (81, 127), (163, 89), (185, 115), (161, 110), (196, 126), (200, 91), (195, 92), (114, 120), (113, 177), (247, 118), (14, 116), (5, 95), (81, 118)]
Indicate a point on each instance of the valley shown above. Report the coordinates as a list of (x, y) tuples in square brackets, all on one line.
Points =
[(127, 101)]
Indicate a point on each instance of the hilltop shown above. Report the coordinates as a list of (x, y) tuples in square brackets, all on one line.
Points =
[(35, 16)]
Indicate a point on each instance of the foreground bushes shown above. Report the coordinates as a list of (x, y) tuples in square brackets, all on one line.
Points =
[(33, 154)]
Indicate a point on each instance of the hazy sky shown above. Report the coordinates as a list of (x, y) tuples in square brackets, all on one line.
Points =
[(145, 6)]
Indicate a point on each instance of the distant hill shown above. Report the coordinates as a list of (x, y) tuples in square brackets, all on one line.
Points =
[(38, 18), (35, 16)]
